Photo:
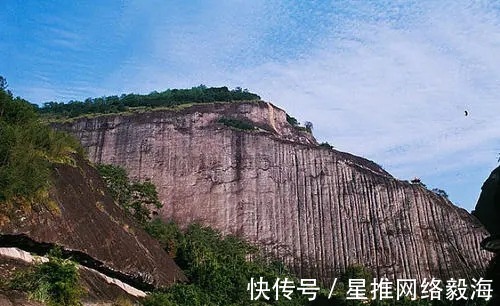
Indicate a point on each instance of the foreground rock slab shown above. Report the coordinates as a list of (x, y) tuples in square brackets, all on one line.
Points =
[(95, 231)]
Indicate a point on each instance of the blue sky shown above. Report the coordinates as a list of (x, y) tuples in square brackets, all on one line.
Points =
[(387, 80)]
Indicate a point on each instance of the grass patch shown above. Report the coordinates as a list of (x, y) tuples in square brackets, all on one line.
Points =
[(55, 283)]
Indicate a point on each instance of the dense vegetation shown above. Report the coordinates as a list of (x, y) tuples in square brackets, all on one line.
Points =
[(237, 124), (27, 149), (326, 145), (139, 199), (292, 120), (55, 283), (218, 267), (167, 98)]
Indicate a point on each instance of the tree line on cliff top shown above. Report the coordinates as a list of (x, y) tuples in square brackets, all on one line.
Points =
[(167, 98)]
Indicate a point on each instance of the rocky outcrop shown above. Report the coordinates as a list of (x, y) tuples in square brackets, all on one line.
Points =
[(488, 206), (91, 228), (488, 212), (318, 209)]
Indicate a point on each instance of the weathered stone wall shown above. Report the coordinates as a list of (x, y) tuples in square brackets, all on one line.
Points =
[(319, 209)]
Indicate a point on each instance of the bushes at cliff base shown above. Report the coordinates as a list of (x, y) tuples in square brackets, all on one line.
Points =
[(219, 267)]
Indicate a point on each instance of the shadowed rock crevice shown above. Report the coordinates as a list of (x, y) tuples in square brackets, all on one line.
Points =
[(27, 244)]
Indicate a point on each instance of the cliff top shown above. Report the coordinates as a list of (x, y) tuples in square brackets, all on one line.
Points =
[(167, 98), (178, 108), (257, 117)]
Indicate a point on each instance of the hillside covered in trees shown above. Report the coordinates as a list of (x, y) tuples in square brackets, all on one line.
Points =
[(167, 98)]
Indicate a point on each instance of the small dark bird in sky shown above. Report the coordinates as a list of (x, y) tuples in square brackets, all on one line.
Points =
[(466, 113)]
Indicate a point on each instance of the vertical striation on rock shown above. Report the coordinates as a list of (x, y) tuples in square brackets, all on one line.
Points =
[(318, 209)]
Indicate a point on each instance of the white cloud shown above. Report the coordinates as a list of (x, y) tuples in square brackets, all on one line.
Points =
[(398, 95), (391, 89)]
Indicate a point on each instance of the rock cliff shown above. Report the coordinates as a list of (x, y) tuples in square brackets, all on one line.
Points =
[(316, 208), (488, 212)]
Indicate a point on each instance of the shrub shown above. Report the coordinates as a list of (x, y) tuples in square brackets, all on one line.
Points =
[(326, 145), (54, 282), (139, 199), (168, 234), (28, 148), (440, 192), (181, 295), (158, 299), (294, 122), (236, 123), (219, 267)]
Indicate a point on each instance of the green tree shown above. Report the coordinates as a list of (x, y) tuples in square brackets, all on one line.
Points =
[(167, 98), (440, 192), (218, 267), (294, 122), (3, 83), (139, 199)]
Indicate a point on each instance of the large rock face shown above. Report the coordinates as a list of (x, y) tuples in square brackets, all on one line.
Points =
[(92, 229), (488, 206), (488, 212), (318, 209)]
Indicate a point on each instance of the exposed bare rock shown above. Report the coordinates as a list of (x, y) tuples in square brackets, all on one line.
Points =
[(488, 206), (318, 209), (93, 229), (95, 286), (488, 212)]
